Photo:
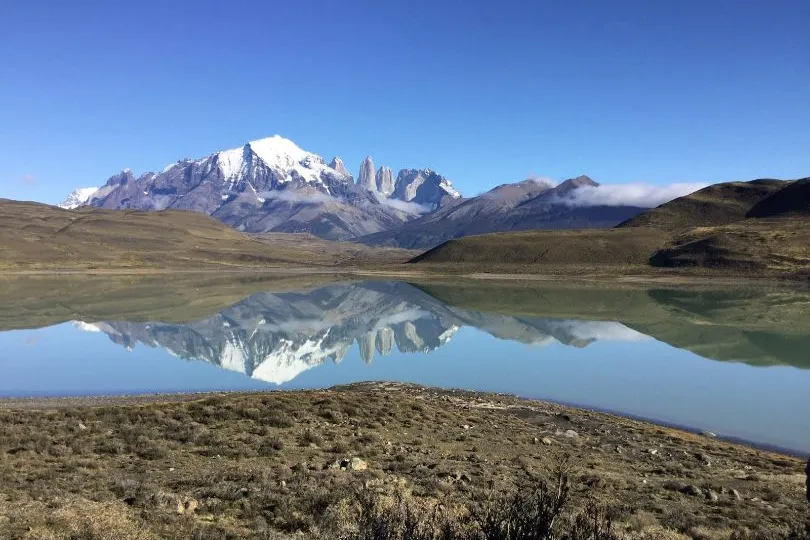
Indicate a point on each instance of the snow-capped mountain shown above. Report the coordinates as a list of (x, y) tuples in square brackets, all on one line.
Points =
[(77, 198), (276, 337), (271, 184)]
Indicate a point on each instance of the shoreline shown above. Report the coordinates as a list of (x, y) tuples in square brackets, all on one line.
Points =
[(44, 403), (607, 275)]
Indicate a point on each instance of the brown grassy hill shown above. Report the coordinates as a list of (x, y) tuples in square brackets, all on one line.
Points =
[(718, 204), (37, 236), (586, 247), (752, 245), (793, 199)]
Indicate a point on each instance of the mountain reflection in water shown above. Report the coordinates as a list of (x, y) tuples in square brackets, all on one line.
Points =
[(274, 337)]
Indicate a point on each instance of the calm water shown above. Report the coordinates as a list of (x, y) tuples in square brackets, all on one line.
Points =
[(736, 363)]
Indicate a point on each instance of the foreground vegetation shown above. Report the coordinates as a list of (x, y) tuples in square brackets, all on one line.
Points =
[(375, 462)]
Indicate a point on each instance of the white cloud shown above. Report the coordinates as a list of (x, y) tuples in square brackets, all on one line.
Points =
[(403, 206), (312, 197), (643, 195)]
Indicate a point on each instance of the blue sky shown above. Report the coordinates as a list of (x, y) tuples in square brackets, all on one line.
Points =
[(483, 92)]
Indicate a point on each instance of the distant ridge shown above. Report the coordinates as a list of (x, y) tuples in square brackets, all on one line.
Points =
[(530, 204), (721, 228)]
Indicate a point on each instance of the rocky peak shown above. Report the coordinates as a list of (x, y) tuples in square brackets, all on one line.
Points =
[(423, 186), (365, 177), (338, 165), (574, 183), (385, 181), (121, 178)]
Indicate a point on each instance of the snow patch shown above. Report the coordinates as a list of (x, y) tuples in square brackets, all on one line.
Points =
[(78, 198)]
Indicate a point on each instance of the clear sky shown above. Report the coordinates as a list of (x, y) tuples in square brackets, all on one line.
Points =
[(484, 92)]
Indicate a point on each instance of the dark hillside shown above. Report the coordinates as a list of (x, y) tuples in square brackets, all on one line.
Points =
[(718, 204)]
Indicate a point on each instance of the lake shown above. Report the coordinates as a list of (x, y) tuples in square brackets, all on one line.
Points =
[(735, 362)]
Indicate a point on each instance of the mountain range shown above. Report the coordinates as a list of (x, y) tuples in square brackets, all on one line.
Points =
[(272, 185)]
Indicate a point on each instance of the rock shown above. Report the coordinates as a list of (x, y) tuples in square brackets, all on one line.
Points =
[(365, 178), (345, 464), (704, 458), (709, 434), (546, 441), (674, 485), (736, 495), (188, 506), (653, 451), (339, 166), (466, 426), (82, 427), (618, 449), (571, 434), (692, 490), (712, 496), (535, 440), (385, 181), (357, 464)]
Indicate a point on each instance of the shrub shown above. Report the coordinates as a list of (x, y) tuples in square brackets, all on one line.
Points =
[(270, 446), (279, 419)]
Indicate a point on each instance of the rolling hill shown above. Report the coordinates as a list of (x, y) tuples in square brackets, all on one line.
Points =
[(36, 236)]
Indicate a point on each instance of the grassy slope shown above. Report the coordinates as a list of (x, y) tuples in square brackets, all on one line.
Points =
[(595, 246), (754, 246), (37, 236), (707, 231)]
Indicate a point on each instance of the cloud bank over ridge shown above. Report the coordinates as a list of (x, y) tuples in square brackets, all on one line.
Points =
[(639, 194)]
